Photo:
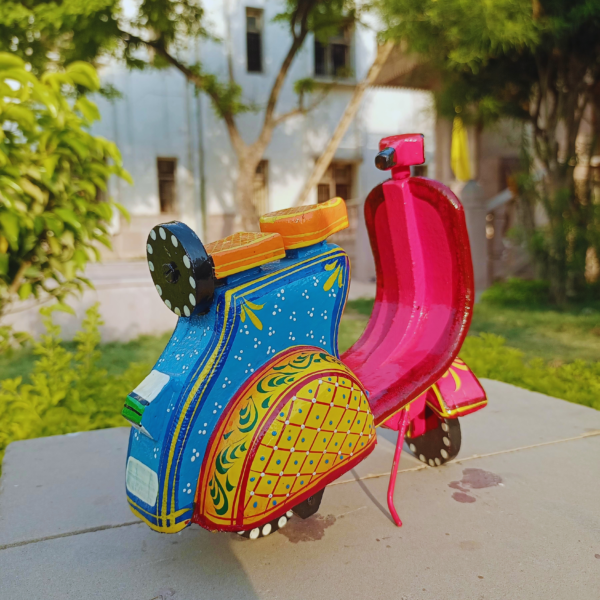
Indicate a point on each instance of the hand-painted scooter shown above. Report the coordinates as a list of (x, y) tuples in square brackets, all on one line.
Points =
[(250, 412)]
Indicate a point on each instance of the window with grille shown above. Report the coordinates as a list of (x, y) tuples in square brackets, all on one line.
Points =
[(337, 181), (323, 193), (260, 192), (332, 58), (254, 20), (166, 168)]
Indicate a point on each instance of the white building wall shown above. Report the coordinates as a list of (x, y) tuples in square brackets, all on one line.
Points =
[(160, 115)]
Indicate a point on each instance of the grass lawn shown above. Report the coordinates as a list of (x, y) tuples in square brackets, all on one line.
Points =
[(556, 337)]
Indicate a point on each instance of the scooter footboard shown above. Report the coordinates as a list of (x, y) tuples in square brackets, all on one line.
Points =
[(457, 393)]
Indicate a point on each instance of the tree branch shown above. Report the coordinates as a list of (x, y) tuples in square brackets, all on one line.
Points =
[(300, 17), (199, 80), (299, 110), (16, 282)]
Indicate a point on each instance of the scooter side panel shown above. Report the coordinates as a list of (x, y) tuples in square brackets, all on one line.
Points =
[(298, 423), (296, 301)]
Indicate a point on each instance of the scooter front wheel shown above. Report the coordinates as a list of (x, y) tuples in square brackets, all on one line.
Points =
[(437, 446)]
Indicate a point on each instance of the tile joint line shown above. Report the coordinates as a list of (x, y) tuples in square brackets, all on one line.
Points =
[(68, 534), (473, 457)]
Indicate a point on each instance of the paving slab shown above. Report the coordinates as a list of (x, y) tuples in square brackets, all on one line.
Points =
[(515, 517)]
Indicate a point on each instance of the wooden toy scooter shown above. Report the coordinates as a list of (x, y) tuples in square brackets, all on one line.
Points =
[(250, 412)]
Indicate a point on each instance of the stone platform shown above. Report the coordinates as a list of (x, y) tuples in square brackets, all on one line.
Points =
[(516, 517)]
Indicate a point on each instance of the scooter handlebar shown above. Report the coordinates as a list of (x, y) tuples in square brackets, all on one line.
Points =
[(400, 151)]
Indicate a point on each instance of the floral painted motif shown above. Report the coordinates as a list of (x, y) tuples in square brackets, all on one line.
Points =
[(247, 310), (337, 274)]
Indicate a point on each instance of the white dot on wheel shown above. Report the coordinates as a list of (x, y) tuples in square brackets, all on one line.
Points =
[(168, 304), (438, 462), (177, 311), (162, 233), (267, 529), (149, 248), (192, 300), (254, 533), (446, 441), (192, 282), (422, 458), (153, 234), (159, 289), (151, 265), (444, 453), (186, 261), (282, 522), (445, 427), (241, 532), (413, 448), (289, 513), (186, 311), (174, 241), (431, 463)]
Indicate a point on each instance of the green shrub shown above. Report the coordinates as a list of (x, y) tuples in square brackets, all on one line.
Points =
[(518, 292), (67, 391), (488, 356), (54, 211)]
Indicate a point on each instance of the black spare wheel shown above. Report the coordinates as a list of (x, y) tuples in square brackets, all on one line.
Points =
[(181, 269)]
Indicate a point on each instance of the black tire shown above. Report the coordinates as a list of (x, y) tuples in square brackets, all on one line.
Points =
[(310, 506), (180, 268), (439, 445)]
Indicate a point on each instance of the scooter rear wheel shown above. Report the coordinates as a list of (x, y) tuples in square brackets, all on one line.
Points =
[(310, 506), (268, 528), (437, 446)]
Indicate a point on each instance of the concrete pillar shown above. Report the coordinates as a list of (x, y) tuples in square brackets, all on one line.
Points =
[(472, 198)]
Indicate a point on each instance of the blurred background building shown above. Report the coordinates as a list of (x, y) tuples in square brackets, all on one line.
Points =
[(179, 153)]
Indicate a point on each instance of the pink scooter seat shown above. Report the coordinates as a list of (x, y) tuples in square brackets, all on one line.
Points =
[(425, 290)]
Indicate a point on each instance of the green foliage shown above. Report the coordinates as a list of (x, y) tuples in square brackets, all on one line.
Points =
[(226, 95), (518, 292), (53, 173), (67, 391), (535, 62), (58, 33), (488, 356), (324, 19), (462, 34)]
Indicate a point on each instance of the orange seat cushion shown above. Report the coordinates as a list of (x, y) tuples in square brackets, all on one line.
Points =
[(306, 225), (244, 250)]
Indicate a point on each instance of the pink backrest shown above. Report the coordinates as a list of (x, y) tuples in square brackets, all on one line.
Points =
[(424, 284)]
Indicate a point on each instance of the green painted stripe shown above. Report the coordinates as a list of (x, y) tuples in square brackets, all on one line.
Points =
[(135, 404), (131, 416)]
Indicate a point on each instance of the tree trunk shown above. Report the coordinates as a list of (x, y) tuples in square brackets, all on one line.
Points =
[(244, 188), (560, 248)]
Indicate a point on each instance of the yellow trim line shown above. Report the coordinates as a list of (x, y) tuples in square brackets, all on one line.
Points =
[(311, 208)]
